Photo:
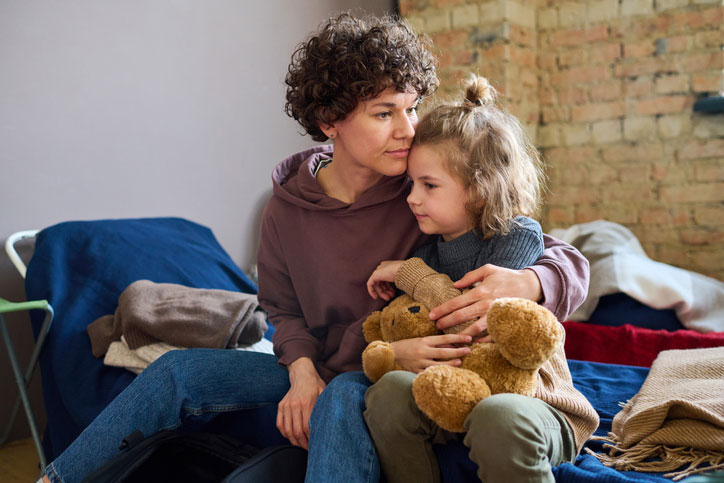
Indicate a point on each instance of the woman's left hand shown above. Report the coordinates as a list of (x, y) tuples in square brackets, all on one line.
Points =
[(493, 282)]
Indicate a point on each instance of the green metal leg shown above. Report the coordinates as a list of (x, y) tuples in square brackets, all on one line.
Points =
[(23, 381)]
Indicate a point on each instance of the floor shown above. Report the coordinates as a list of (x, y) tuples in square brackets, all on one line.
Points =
[(19, 462)]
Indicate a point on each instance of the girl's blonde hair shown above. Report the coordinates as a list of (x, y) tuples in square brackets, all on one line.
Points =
[(487, 149)]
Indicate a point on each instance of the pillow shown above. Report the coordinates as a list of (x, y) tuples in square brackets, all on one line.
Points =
[(81, 267)]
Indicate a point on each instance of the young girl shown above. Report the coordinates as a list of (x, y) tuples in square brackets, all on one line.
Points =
[(476, 177)]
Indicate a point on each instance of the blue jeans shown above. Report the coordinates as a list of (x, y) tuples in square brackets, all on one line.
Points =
[(207, 388)]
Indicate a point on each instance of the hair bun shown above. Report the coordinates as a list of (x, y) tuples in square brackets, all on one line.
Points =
[(479, 92)]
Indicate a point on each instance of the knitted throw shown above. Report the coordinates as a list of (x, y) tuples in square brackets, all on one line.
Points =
[(676, 418)]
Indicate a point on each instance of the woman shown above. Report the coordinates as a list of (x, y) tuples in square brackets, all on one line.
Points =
[(335, 213)]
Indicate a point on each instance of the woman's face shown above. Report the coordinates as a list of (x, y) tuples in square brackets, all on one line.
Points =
[(377, 135)]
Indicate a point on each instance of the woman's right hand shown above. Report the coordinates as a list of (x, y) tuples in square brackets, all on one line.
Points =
[(296, 406), (418, 354)]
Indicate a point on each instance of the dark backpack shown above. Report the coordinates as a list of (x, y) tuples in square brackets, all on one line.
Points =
[(199, 458)]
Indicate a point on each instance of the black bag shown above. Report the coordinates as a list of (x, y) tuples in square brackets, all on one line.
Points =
[(199, 458)]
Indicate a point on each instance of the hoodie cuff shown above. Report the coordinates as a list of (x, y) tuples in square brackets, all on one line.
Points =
[(295, 349)]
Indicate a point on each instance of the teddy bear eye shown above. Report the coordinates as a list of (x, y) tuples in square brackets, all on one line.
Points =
[(414, 309)]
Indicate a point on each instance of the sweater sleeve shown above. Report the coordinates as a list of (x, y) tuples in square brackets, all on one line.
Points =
[(520, 248), (563, 273), (292, 337)]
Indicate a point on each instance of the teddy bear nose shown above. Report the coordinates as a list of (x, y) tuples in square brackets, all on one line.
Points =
[(414, 309)]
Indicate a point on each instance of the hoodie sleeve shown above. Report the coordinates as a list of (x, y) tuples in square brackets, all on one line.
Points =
[(563, 273), (292, 337)]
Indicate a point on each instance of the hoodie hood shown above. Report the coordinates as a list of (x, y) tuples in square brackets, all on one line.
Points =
[(295, 183)]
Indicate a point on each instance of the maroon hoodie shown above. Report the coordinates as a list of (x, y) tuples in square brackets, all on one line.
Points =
[(316, 254)]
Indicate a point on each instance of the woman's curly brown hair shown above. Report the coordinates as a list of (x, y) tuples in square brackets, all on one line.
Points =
[(352, 59)]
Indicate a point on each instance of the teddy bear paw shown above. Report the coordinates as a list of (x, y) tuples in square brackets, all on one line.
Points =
[(377, 360), (447, 395)]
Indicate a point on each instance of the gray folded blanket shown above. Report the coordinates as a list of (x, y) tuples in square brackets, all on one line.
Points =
[(151, 312)]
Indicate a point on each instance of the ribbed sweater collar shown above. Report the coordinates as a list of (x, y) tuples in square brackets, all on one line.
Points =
[(463, 247)]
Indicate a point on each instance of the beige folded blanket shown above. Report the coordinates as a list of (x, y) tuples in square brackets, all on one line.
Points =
[(676, 418), (181, 316)]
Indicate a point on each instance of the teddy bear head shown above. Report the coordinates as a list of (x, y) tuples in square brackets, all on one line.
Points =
[(403, 318)]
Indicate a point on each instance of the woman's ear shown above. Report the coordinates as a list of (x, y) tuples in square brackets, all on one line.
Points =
[(328, 129)]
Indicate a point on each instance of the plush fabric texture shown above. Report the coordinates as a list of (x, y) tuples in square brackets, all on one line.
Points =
[(81, 268), (677, 416), (628, 344)]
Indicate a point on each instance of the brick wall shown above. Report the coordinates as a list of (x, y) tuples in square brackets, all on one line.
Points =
[(606, 87)]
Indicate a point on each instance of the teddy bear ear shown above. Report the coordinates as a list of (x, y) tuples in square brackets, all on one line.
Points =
[(371, 327)]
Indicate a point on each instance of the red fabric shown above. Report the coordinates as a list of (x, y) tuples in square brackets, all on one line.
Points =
[(628, 344)]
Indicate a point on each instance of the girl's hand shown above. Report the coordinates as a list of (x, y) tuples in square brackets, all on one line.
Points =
[(493, 282), (380, 283), (296, 406), (418, 354)]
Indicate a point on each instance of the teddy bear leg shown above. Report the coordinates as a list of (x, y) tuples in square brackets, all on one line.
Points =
[(447, 395), (378, 359)]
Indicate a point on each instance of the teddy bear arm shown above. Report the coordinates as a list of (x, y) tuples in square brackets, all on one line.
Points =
[(371, 327)]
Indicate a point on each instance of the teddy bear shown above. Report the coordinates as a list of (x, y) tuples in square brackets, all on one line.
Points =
[(524, 336)]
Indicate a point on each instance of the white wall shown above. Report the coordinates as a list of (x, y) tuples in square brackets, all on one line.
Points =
[(114, 109)]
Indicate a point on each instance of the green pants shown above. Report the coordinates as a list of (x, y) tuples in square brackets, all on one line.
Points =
[(512, 438)]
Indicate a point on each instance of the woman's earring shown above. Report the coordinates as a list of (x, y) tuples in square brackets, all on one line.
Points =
[(331, 136)]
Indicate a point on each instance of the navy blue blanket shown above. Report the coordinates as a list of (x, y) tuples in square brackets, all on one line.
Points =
[(81, 268)]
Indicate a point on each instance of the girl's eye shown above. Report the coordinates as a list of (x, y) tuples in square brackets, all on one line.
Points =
[(430, 186)]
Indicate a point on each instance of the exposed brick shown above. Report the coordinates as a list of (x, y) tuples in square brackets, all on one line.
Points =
[(436, 20), (573, 57), (701, 236), (451, 39), (571, 14), (711, 148), (691, 193), (547, 60), (547, 18), (662, 5), (640, 27), (709, 171), (572, 95), (669, 174), (637, 7), (632, 152), (578, 75), (672, 84), (602, 10), (605, 132), (522, 35), (448, 3), (465, 16), (578, 36), (658, 215), (643, 48), (639, 87), (574, 134), (648, 65), (627, 192), (605, 53), (709, 127), (664, 105), (520, 14), (566, 195), (602, 174), (700, 61), (605, 91), (709, 215), (597, 112), (707, 40), (674, 45), (524, 56), (712, 82), (549, 135), (562, 216), (573, 155), (673, 126), (555, 113), (697, 19), (639, 128)]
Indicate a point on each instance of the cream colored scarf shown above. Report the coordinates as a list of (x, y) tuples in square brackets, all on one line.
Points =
[(676, 418)]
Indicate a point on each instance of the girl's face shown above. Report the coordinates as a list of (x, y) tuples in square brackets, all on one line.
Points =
[(437, 198), (377, 135)]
